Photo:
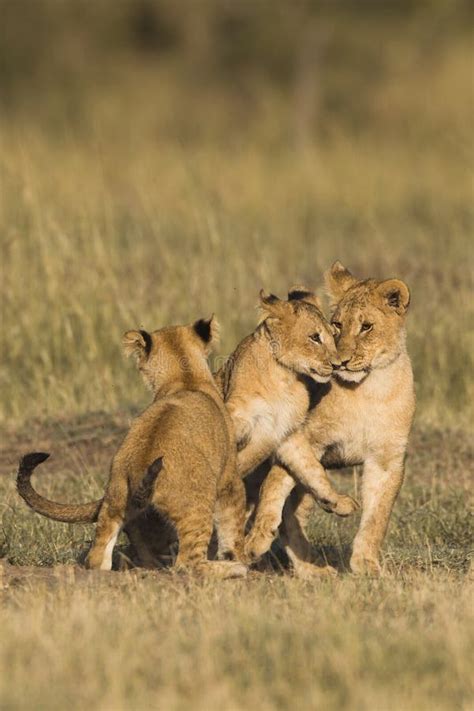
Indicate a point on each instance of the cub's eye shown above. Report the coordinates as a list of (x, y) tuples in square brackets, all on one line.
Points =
[(316, 338), (336, 325), (366, 327)]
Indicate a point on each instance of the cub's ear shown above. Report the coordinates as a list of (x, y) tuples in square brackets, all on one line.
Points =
[(271, 306), (208, 330), (302, 293), (338, 280), (395, 294), (138, 344)]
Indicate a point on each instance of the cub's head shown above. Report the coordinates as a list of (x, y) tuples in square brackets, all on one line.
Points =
[(300, 336), (368, 319), (175, 355)]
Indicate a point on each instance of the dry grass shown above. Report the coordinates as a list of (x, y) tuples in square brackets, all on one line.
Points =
[(139, 640), (152, 642)]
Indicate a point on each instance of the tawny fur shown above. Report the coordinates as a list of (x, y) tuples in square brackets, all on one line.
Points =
[(365, 418), (188, 427)]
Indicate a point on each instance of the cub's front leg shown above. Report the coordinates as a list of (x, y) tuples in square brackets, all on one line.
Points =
[(274, 491), (381, 481), (299, 458), (259, 445), (302, 460)]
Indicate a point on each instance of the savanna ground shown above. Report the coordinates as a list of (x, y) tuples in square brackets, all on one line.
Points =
[(158, 166)]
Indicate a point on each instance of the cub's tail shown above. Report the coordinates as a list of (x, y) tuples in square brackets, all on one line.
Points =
[(68, 513)]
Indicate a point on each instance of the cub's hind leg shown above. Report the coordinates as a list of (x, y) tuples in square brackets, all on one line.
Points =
[(109, 524), (230, 515), (192, 514), (117, 510), (194, 529)]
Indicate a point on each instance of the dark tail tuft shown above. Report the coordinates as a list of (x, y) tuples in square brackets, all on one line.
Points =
[(31, 460)]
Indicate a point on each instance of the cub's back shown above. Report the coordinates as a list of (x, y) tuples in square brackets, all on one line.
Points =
[(188, 429)]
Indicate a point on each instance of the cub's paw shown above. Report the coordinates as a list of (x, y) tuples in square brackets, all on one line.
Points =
[(343, 505), (91, 562), (310, 571), (224, 570), (236, 570), (95, 560), (257, 543), (365, 564)]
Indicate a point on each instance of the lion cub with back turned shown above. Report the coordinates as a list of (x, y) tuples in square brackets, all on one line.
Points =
[(185, 442)]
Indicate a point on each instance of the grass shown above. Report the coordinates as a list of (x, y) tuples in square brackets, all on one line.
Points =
[(431, 525), (94, 249), (163, 187), (143, 640), (149, 643)]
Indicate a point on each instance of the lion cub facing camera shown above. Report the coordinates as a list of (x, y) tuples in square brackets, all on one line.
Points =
[(185, 443)]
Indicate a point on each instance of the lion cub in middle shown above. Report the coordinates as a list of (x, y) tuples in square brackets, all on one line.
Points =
[(273, 379)]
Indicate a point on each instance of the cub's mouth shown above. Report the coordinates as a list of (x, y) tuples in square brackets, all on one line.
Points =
[(351, 376), (315, 375)]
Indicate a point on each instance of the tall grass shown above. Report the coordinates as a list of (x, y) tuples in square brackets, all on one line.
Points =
[(115, 223), (172, 185)]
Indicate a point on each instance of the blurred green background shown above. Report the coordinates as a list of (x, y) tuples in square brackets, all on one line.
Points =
[(162, 160)]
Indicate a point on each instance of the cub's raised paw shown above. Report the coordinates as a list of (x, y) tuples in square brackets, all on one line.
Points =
[(343, 506), (346, 506)]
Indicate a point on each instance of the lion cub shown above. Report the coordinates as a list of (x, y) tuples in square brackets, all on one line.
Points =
[(185, 443), (273, 379)]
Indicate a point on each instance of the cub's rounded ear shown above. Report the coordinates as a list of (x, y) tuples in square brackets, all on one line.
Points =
[(395, 294), (271, 306), (338, 280), (137, 343), (302, 293), (208, 330)]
